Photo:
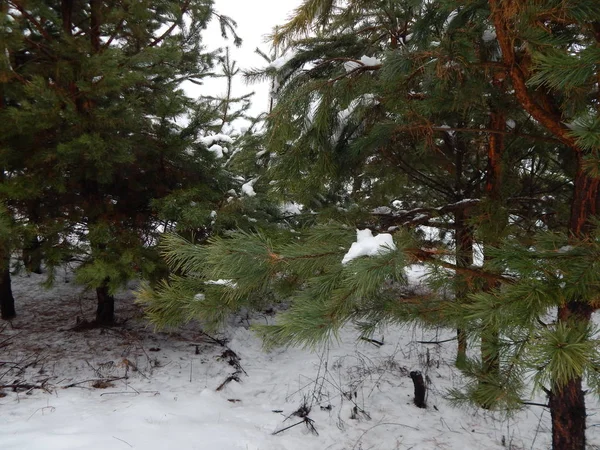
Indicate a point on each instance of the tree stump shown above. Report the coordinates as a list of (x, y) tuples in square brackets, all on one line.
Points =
[(420, 388)]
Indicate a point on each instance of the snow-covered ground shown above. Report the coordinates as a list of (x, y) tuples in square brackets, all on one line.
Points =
[(126, 387)]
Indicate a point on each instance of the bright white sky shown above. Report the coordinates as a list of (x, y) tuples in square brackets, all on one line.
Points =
[(255, 20)]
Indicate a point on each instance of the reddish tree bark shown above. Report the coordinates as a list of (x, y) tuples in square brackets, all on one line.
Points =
[(567, 402)]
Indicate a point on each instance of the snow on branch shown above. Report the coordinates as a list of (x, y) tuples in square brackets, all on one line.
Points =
[(368, 245), (422, 216)]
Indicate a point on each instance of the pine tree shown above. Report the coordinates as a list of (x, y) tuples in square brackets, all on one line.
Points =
[(426, 80), (91, 129), (427, 116)]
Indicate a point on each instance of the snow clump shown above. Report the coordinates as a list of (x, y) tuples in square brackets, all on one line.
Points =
[(365, 61), (248, 188), (368, 245)]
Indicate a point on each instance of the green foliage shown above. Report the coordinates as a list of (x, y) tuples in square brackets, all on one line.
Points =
[(94, 155), (437, 130)]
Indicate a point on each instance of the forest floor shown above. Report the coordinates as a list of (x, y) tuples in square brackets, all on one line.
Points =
[(128, 387)]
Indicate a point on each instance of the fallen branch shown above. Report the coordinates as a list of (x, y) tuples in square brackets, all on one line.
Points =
[(373, 341), (123, 441), (306, 420), (233, 377), (436, 342), (107, 380), (26, 386)]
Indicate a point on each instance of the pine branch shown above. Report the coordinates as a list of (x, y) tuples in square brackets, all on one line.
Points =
[(500, 17), (168, 31), (425, 255)]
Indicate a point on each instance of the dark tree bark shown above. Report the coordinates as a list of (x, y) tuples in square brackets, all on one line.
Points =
[(567, 409), (567, 402), (32, 256), (67, 16), (490, 338), (420, 388), (105, 311), (464, 258), (7, 301)]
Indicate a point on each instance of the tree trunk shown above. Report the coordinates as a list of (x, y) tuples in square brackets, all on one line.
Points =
[(32, 256), (490, 338), (7, 301), (464, 258), (567, 402), (567, 410), (105, 312)]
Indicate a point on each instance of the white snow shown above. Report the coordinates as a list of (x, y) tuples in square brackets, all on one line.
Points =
[(365, 61), (359, 394), (370, 60), (381, 210), (217, 150), (368, 245), (221, 282), (344, 114), (282, 61), (219, 137), (488, 35), (351, 65), (291, 208), (566, 249), (248, 188)]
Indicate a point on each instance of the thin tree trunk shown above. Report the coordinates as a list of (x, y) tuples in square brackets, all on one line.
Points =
[(7, 301), (32, 256), (490, 338), (464, 258), (105, 311)]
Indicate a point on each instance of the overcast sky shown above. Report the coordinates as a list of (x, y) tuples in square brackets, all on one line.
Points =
[(255, 20)]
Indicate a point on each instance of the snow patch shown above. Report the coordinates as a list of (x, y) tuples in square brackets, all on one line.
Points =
[(217, 150), (489, 35), (248, 188), (210, 140), (229, 283), (281, 61), (368, 245), (292, 208), (566, 249), (365, 61)]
